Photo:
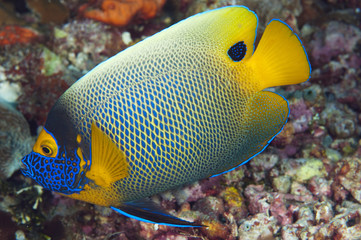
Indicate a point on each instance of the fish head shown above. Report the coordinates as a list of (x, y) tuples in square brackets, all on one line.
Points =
[(55, 168), (58, 162)]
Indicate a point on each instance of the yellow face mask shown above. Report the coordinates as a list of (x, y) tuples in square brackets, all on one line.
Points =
[(46, 145)]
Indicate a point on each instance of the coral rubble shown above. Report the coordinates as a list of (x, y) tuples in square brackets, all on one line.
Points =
[(306, 185)]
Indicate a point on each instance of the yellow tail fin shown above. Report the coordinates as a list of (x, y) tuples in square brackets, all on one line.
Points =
[(280, 58)]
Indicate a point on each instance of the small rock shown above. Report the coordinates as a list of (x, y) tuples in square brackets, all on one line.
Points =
[(259, 226), (323, 212), (333, 154), (212, 206), (282, 183), (320, 187), (20, 235), (311, 168)]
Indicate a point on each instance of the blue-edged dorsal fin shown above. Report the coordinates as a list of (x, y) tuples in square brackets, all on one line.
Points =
[(280, 58), (147, 211)]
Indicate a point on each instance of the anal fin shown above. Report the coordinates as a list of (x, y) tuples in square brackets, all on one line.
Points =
[(148, 211)]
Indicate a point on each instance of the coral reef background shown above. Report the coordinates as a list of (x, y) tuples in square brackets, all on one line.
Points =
[(306, 185)]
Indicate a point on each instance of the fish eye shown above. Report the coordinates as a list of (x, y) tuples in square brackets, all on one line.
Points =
[(46, 150), (46, 145)]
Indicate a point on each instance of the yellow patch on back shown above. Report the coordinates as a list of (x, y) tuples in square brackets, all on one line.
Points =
[(223, 28), (108, 163), (236, 24)]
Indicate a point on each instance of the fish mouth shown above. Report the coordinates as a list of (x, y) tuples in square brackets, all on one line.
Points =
[(25, 165), (22, 165)]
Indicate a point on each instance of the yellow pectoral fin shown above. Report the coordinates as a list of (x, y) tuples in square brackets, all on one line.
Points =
[(108, 162), (280, 58)]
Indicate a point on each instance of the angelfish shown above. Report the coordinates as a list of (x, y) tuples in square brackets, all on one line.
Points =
[(185, 104)]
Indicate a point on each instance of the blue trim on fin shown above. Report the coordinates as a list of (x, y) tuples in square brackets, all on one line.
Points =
[(269, 141), (299, 39), (153, 216)]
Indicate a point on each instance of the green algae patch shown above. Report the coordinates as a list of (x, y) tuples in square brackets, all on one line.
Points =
[(311, 168), (52, 62)]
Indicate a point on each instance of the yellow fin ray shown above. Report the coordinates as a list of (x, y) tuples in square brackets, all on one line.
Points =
[(108, 163), (280, 58), (266, 114)]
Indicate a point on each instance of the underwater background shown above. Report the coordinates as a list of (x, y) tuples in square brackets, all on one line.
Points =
[(305, 185)]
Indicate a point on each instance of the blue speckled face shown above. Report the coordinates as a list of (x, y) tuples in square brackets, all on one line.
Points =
[(53, 167), (52, 173)]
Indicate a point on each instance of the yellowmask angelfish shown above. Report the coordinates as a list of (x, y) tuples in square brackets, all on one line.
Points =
[(185, 104)]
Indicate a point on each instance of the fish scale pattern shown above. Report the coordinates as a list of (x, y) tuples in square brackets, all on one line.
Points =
[(176, 106), (174, 127)]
